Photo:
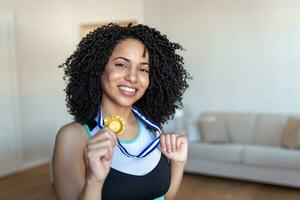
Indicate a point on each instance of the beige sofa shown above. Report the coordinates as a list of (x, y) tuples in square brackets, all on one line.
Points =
[(245, 146)]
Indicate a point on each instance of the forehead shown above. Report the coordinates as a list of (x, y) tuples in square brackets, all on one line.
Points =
[(131, 48)]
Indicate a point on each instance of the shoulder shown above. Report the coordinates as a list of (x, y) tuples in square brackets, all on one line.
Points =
[(68, 162), (72, 130), (71, 135)]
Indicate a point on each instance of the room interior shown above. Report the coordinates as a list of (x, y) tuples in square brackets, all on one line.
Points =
[(244, 60)]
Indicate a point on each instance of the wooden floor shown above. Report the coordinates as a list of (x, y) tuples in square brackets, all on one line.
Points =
[(34, 184), (198, 187), (30, 184)]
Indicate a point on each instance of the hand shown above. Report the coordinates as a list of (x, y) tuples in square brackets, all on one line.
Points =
[(99, 151), (174, 146)]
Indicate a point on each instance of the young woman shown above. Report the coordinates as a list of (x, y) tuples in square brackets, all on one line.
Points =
[(132, 72)]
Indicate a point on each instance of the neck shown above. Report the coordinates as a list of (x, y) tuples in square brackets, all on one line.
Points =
[(110, 108)]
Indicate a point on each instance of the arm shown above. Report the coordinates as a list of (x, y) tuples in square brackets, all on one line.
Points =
[(68, 162), (74, 166), (174, 147), (91, 190), (177, 169)]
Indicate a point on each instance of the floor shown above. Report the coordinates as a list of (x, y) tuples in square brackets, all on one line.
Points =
[(198, 187), (34, 184), (27, 185)]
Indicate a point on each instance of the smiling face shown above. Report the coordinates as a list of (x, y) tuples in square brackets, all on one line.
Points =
[(126, 75)]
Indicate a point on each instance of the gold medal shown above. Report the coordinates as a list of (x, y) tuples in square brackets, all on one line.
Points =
[(115, 123)]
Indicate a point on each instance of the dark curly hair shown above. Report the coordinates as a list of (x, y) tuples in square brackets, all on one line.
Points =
[(83, 69)]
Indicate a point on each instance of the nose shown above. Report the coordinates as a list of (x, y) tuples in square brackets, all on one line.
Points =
[(131, 75)]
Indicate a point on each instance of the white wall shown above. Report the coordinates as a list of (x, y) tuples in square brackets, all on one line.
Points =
[(243, 55), (46, 34)]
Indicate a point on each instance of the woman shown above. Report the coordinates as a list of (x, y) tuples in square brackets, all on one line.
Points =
[(132, 72)]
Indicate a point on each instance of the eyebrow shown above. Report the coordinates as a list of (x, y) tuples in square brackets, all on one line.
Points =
[(127, 60)]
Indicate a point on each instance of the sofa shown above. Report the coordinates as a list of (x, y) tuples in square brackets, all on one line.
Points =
[(248, 146)]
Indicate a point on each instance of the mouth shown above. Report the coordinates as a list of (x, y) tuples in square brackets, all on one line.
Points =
[(127, 90)]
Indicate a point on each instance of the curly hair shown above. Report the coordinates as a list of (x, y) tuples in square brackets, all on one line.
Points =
[(83, 69)]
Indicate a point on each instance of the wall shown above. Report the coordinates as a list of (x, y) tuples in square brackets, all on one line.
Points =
[(46, 34), (243, 55)]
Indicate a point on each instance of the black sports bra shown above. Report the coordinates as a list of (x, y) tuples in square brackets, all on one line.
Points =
[(122, 186)]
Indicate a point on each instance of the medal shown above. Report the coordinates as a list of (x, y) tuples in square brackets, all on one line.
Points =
[(115, 123)]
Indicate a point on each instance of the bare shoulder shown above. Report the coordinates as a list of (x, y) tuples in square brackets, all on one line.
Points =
[(72, 132), (71, 138), (72, 127), (68, 160)]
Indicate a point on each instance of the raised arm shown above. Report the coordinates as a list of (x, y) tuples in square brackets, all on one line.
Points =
[(80, 164), (174, 146)]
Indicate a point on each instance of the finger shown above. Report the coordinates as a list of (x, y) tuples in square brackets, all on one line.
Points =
[(107, 143), (99, 153), (183, 139), (157, 134), (97, 137), (111, 134), (103, 141), (178, 142), (173, 142), (163, 143), (103, 134), (168, 143)]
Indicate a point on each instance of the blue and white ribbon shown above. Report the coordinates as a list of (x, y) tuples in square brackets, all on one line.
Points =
[(151, 147)]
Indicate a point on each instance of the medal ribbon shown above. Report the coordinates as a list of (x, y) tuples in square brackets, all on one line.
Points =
[(149, 148)]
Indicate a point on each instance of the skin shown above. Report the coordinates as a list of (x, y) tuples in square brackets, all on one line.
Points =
[(81, 164)]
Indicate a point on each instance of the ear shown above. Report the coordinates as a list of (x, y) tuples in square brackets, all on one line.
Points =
[(101, 77)]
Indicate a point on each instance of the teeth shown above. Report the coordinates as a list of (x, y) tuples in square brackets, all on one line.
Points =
[(127, 89)]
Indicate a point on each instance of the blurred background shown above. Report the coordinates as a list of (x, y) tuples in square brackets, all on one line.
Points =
[(243, 56)]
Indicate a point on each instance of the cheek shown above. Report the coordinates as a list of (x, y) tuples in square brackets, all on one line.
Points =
[(109, 76), (146, 82), (106, 80)]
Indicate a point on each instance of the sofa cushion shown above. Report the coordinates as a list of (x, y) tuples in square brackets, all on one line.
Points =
[(269, 128), (273, 157), (291, 134), (241, 127), (217, 152), (214, 129)]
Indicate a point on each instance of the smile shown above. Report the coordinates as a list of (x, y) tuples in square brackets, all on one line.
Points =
[(127, 89)]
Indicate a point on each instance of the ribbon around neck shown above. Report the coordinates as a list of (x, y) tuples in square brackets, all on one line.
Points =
[(149, 148)]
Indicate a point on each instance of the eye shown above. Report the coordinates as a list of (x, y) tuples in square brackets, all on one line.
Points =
[(144, 70), (120, 65)]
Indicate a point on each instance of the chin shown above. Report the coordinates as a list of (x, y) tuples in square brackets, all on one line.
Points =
[(125, 103)]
